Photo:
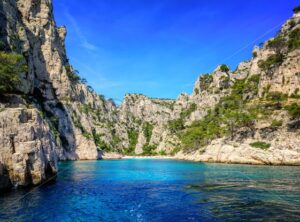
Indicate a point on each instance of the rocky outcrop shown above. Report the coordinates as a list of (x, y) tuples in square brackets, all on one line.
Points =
[(27, 151), (283, 151)]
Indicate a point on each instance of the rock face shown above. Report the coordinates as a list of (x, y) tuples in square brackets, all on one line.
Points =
[(40, 128), (28, 154), (55, 116)]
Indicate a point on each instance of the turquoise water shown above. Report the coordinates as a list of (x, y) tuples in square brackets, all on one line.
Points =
[(159, 190)]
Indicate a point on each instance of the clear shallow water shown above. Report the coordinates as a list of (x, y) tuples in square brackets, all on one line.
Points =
[(159, 190)]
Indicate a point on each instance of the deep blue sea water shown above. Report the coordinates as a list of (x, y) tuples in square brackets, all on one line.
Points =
[(159, 190)]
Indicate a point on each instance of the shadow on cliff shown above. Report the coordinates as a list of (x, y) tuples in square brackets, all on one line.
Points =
[(3, 31), (43, 93)]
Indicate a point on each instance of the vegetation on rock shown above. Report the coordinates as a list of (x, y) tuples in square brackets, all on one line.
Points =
[(133, 139), (178, 124), (11, 66), (293, 110), (276, 123), (294, 40), (72, 74), (224, 68), (147, 130), (101, 145), (149, 150), (229, 115), (271, 62), (261, 145), (296, 9), (205, 81)]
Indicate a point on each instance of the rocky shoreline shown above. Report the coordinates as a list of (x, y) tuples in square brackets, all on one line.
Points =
[(196, 157)]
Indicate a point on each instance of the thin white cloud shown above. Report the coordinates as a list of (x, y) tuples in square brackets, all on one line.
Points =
[(100, 82), (83, 40), (89, 46)]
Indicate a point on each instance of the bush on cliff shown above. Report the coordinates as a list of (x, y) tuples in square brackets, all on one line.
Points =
[(271, 62), (260, 145), (224, 68), (294, 39), (72, 74), (293, 110), (99, 142), (133, 139), (11, 66), (149, 150), (147, 129), (296, 9), (178, 124)]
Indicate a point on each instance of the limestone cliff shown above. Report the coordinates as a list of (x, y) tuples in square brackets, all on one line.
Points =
[(250, 115), (45, 118)]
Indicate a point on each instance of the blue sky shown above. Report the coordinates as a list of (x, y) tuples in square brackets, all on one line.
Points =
[(160, 47)]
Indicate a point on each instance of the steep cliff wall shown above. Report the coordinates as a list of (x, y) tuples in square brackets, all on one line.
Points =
[(50, 96)]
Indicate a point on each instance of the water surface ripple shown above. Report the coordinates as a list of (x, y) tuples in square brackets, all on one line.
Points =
[(159, 190)]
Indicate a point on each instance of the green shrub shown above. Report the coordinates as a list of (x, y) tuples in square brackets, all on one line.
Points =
[(149, 150), (11, 66), (147, 129), (2, 46), (254, 54), (271, 62), (292, 23), (196, 91), (162, 153), (175, 150), (86, 109), (293, 110), (276, 96), (187, 112), (294, 40), (261, 145), (72, 74), (176, 125), (200, 134), (224, 68), (115, 140), (205, 81), (276, 99), (249, 87), (296, 9), (277, 43), (133, 139), (276, 123), (78, 125), (295, 94), (101, 145), (87, 135)]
